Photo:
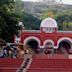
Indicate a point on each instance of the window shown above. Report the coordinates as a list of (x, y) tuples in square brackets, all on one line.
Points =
[(49, 30)]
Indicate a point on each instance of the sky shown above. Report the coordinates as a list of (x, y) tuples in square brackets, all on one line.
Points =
[(64, 1)]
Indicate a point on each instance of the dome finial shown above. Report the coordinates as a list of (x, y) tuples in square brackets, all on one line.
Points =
[(49, 22)]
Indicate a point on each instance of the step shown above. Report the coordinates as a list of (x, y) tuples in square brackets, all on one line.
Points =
[(49, 70), (10, 64)]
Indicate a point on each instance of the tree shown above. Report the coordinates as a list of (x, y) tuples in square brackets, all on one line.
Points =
[(8, 20), (61, 16), (47, 14), (31, 22), (67, 26), (18, 8), (62, 19)]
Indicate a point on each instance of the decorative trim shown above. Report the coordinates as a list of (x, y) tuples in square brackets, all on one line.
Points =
[(48, 41), (63, 38), (31, 37), (64, 31), (41, 46), (55, 47), (45, 22), (31, 31)]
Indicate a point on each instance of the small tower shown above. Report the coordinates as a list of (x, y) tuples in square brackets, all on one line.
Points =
[(17, 38), (49, 25), (21, 25)]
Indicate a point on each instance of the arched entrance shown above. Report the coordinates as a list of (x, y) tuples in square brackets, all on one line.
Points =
[(48, 48), (32, 43), (65, 46)]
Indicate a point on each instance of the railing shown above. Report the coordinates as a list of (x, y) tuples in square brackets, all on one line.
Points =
[(39, 31), (36, 31), (64, 31)]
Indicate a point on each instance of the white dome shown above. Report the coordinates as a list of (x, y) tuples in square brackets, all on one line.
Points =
[(49, 22)]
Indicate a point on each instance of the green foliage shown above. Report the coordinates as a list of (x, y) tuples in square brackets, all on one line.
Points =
[(67, 26), (6, 5), (61, 16), (30, 22), (44, 15), (8, 20), (18, 7)]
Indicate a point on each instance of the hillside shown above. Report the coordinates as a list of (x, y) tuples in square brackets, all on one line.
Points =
[(35, 12), (37, 8)]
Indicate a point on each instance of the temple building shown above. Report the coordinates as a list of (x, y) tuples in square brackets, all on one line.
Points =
[(48, 37)]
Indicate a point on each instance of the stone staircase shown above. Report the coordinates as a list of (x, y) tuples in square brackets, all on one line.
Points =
[(10, 65), (43, 64)]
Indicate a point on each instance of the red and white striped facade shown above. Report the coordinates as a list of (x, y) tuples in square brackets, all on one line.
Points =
[(48, 33)]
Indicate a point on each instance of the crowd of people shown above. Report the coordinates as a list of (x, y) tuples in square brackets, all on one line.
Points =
[(8, 51), (13, 50)]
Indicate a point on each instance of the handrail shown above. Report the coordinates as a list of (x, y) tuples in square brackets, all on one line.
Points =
[(37, 31), (64, 31)]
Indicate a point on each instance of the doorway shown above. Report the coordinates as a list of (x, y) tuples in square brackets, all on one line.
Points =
[(33, 45), (65, 46)]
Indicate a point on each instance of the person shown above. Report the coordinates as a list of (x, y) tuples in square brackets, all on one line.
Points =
[(10, 54), (7, 50), (20, 50), (20, 53), (1, 53), (14, 50), (2, 45)]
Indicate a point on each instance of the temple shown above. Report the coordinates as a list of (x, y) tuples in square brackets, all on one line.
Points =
[(48, 37)]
